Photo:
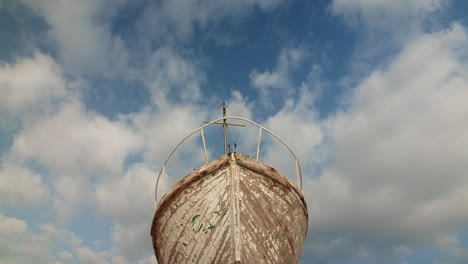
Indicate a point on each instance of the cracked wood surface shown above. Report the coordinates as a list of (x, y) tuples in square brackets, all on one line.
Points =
[(231, 210)]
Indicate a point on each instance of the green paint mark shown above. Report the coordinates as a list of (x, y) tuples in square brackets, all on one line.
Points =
[(195, 217), (210, 227), (217, 212), (184, 244), (271, 235), (199, 228)]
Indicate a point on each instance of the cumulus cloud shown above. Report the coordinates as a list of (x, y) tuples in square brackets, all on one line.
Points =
[(384, 27), (386, 15), (127, 201), (74, 147), (69, 194), (175, 21), (28, 86), (83, 36), (162, 131), (21, 186), (88, 44), (297, 122), (398, 177), (19, 245), (278, 81), (132, 192), (86, 255), (238, 105), (73, 141), (133, 241), (151, 259), (453, 245), (65, 256), (171, 77)]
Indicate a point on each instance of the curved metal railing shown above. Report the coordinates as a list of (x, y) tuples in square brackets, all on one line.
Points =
[(261, 128)]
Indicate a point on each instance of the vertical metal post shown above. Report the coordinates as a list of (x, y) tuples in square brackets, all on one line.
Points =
[(259, 139), (204, 145), (298, 176), (224, 128), (162, 181)]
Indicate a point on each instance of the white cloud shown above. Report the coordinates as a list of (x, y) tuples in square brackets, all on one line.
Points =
[(129, 198), (172, 77), (130, 201), (60, 235), (69, 194), (65, 256), (278, 82), (87, 256), (279, 79), (74, 146), (82, 34), (133, 241), (238, 106), (162, 131), (384, 28), (453, 245), (18, 245), (175, 20), (268, 79), (28, 86), (298, 125), (20, 186), (397, 177), (12, 225), (72, 141), (420, 106), (83, 31), (150, 259), (397, 7), (385, 15)]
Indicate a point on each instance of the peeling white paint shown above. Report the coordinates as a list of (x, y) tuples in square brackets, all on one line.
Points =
[(232, 210)]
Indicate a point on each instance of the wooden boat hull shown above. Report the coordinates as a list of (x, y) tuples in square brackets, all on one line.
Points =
[(232, 210)]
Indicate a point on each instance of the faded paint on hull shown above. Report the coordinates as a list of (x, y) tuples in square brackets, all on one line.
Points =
[(232, 210)]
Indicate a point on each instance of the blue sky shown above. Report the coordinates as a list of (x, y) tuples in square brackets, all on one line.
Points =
[(372, 96)]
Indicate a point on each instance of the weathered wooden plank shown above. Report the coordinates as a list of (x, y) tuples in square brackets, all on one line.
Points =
[(234, 209)]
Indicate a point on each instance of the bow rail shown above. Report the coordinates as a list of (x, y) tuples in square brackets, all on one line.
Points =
[(162, 172)]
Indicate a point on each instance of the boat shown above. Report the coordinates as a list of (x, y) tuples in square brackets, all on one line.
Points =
[(233, 209)]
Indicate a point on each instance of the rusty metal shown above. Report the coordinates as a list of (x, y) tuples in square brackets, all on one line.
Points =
[(259, 140), (231, 210)]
